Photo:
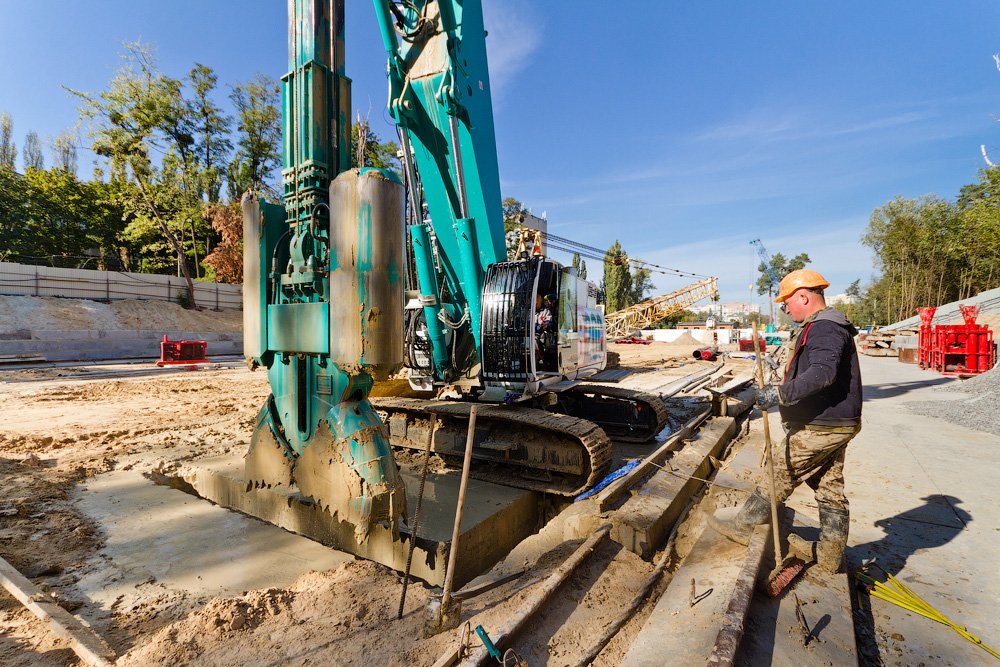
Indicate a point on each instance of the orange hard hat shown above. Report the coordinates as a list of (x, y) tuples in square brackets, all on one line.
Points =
[(796, 280)]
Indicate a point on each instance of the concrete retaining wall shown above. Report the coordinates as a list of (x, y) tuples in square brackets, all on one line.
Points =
[(26, 280), (93, 344)]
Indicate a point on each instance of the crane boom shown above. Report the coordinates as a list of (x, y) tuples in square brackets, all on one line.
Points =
[(645, 313), (765, 258)]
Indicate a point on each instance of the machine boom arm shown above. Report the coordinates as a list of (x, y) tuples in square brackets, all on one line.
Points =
[(439, 97)]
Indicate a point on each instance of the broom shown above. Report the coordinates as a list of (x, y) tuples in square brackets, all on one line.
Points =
[(785, 568)]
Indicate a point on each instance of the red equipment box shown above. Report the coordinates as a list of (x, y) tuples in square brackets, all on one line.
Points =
[(182, 352), (956, 349), (746, 345)]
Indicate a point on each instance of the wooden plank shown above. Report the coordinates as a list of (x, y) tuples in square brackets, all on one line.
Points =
[(727, 642), (86, 643)]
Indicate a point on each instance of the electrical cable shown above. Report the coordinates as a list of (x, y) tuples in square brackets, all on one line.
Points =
[(590, 252)]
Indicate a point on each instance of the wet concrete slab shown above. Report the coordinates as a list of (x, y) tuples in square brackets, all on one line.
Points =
[(155, 534), (495, 519), (686, 620), (642, 523)]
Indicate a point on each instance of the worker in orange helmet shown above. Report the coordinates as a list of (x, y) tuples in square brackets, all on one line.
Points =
[(820, 405)]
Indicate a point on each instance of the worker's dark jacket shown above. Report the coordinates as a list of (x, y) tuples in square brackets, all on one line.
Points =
[(822, 383)]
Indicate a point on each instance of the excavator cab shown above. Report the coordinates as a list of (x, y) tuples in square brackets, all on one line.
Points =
[(540, 327)]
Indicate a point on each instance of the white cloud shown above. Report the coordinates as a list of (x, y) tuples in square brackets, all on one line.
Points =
[(770, 125), (514, 35)]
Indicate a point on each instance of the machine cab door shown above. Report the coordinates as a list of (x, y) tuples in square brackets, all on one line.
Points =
[(569, 326), (521, 322)]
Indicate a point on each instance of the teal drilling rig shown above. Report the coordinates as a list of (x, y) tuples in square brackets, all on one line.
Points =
[(331, 303)]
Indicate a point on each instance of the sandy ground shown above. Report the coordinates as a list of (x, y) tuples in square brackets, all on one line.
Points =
[(69, 429), (63, 432), (18, 313)]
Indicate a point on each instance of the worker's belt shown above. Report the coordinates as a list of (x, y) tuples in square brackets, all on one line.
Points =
[(821, 428)]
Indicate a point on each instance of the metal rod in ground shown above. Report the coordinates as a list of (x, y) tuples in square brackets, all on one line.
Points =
[(641, 597), (449, 576), (416, 513), (539, 594)]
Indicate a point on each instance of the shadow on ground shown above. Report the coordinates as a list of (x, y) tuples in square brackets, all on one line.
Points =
[(893, 389), (935, 523)]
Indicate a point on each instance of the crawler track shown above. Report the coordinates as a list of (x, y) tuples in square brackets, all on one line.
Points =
[(522, 447), (627, 415)]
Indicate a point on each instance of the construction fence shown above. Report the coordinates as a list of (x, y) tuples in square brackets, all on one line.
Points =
[(27, 280)]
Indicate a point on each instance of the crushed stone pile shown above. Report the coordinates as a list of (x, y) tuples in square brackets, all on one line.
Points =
[(19, 313), (979, 409)]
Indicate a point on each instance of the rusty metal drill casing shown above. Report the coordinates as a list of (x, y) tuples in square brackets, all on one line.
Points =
[(366, 272)]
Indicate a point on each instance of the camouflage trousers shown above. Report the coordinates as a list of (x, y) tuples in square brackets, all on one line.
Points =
[(814, 455)]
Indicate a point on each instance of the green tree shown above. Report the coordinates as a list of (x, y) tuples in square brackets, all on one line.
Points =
[(580, 265), (617, 279), (512, 225), (8, 150), (258, 143), (781, 267), (642, 284), (141, 113), (670, 321), (33, 158), (370, 151), (52, 217), (211, 132), (64, 155)]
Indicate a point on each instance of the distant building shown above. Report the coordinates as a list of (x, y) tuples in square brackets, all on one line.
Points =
[(727, 311)]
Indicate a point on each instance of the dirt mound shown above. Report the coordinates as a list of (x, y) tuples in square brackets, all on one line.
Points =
[(686, 339), (348, 614), (20, 313)]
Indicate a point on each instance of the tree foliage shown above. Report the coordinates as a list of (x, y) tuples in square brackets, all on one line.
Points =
[(64, 153), (51, 217), (226, 260), (8, 149), (367, 150), (617, 285), (580, 265), (33, 158), (258, 146), (781, 267), (930, 251)]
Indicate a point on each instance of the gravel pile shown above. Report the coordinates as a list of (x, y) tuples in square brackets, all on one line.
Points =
[(979, 410)]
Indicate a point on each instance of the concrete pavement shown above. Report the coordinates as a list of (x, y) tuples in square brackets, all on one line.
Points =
[(924, 503)]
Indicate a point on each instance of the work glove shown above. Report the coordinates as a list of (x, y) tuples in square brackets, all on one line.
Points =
[(767, 397)]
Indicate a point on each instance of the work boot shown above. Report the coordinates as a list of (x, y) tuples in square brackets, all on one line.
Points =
[(801, 548), (737, 523), (834, 523)]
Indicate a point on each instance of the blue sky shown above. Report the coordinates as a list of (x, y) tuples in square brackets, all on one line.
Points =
[(682, 129)]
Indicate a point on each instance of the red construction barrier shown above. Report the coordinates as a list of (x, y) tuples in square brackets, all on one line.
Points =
[(925, 336), (746, 345), (957, 349), (174, 352)]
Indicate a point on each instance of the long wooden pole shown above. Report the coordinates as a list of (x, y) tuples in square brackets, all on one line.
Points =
[(449, 577), (770, 456), (416, 514)]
